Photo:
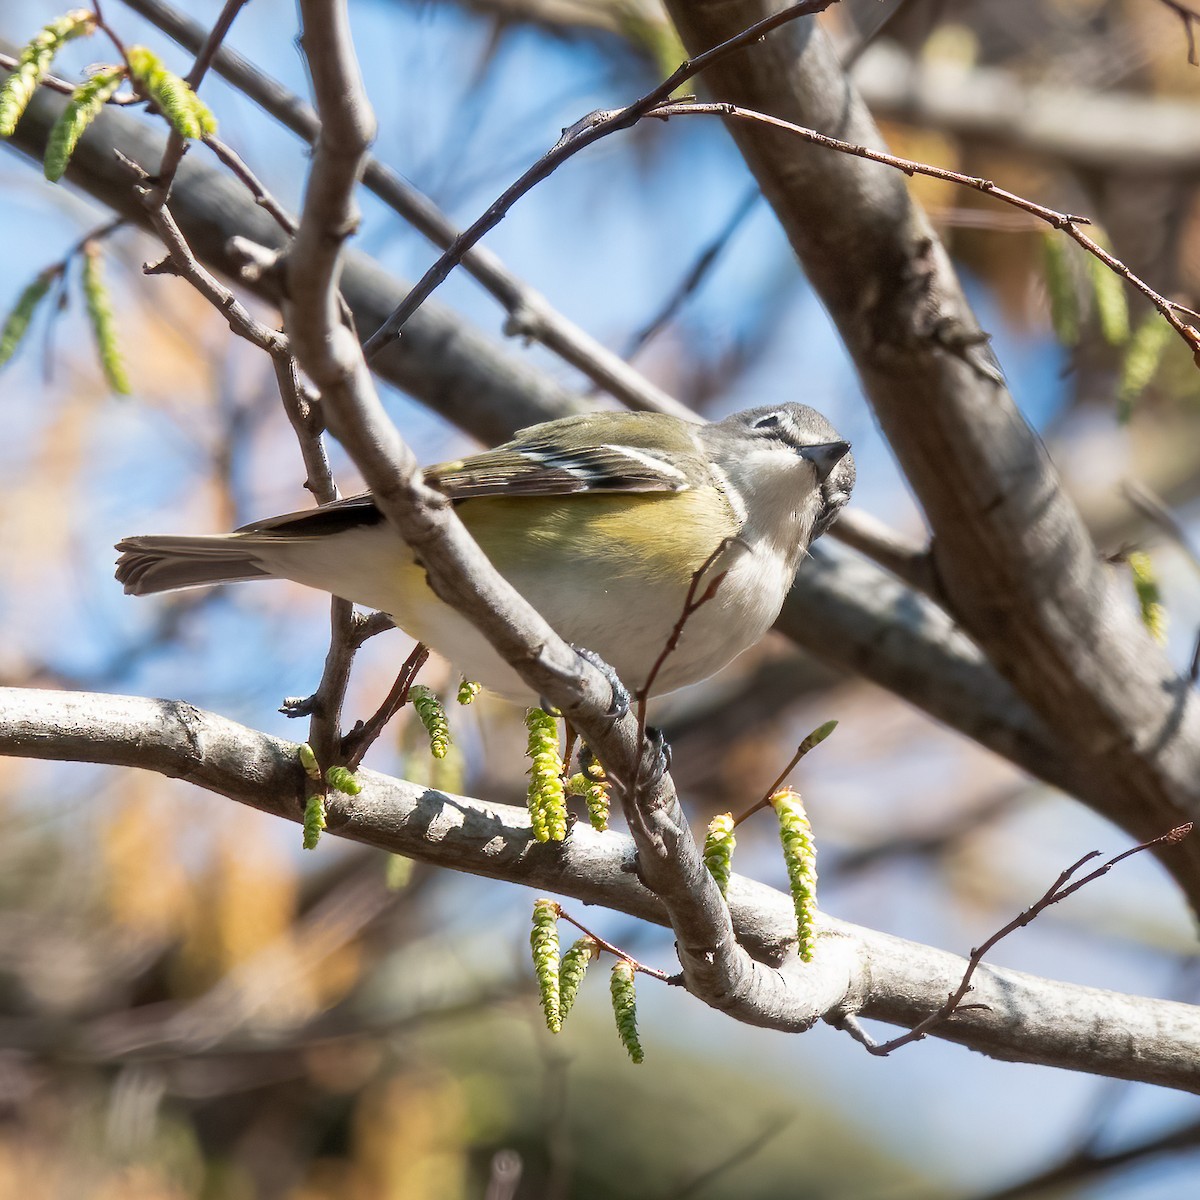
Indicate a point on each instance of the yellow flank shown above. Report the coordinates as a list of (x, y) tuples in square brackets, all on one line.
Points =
[(654, 536)]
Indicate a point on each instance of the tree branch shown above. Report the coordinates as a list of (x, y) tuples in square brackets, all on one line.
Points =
[(1014, 1016), (851, 615), (1011, 551)]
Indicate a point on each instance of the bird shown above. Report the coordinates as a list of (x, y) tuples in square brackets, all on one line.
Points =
[(603, 521)]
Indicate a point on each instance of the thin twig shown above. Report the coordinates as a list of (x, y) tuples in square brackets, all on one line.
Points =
[(177, 144), (736, 1158), (262, 197), (1059, 890), (814, 739), (9, 62), (1068, 223), (616, 951), (530, 315), (1189, 16), (577, 137), (1154, 510), (690, 604), (695, 274), (360, 739)]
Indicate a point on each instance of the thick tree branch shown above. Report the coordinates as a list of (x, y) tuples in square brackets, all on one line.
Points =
[(851, 614), (1013, 1016), (1011, 552), (715, 967)]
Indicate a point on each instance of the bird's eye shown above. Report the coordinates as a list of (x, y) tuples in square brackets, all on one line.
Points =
[(770, 421)]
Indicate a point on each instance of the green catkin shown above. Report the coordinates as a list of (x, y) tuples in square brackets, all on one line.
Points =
[(1145, 584), (571, 971), (547, 798), (188, 114), (468, 689), (592, 784), (342, 779), (1140, 364), (719, 845), (1060, 288), (433, 717), (104, 326), (34, 62), (308, 760), (543, 940), (16, 324), (86, 103), (800, 855), (314, 820), (1108, 294), (624, 1005)]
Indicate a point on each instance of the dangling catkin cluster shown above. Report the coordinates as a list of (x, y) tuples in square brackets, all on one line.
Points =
[(188, 114), (592, 784), (314, 820), (719, 845), (547, 799), (543, 940), (34, 63), (800, 855), (433, 717), (624, 1004), (571, 972), (85, 105)]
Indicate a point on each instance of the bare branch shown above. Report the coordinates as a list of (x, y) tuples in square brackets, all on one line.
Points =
[(530, 315), (1012, 554), (715, 967), (1014, 1016), (579, 136)]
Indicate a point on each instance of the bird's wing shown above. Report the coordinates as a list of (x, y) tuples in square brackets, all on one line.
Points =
[(534, 469), (535, 463)]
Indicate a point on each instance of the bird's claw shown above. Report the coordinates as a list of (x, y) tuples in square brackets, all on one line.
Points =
[(621, 699), (660, 753)]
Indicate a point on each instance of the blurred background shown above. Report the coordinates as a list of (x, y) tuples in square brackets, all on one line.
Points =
[(191, 1006)]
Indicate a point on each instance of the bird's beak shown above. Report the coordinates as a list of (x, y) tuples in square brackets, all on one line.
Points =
[(825, 457)]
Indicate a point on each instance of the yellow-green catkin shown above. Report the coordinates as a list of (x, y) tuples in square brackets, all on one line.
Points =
[(571, 972), (543, 940), (399, 872), (624, 1005), (1143, 355), (800, 855), (1108, 294), (468, 689), (342, 779), (1060, 287), (34, 62), (188, 114), (719, 845), (16, 324), (547, 798), (314, 820), (85, 105), (433, 717), (104, 326), (308, 760), (592, 784), (1145, 584)]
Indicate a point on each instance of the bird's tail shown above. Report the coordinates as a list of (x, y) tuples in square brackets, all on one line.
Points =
[(164, 563)]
